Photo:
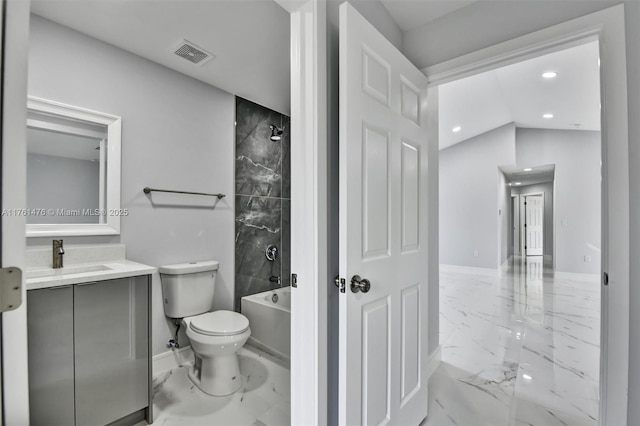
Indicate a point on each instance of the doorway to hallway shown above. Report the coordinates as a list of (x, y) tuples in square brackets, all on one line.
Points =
[(502, 276)]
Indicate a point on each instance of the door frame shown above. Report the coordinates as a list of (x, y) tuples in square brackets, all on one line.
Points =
[(15, 379), (2, 38), (515, 224), (309, 210), (544, 225), (607, 27)]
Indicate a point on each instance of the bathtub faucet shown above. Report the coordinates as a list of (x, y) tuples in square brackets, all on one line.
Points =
[(58, 252), (274, 279)]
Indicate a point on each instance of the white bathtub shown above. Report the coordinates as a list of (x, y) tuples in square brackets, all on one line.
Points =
[(269, 315)]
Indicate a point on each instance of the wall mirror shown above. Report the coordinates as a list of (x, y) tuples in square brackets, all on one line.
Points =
[(73, 170)]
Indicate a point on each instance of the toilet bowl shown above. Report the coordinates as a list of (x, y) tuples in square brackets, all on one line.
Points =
[(216, 337)]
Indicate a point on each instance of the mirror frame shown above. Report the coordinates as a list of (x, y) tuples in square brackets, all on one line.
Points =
[(110, 223)]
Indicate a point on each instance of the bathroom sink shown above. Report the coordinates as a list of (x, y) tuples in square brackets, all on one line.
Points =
[(67, 270)]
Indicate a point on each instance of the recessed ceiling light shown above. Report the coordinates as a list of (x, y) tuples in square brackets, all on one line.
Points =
[(547, 115), (527, 377), (518, 183), (550, 74), (528, 169), (456, 129)]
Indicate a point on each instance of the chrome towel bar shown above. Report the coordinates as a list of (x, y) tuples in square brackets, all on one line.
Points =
[(148, 190)]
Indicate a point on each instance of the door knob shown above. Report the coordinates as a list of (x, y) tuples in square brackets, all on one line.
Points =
[(360, 284)]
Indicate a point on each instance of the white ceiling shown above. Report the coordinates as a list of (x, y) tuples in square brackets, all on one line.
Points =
[(538, 174), (250, 41), (410, 14), (519, 94), (249, 38)]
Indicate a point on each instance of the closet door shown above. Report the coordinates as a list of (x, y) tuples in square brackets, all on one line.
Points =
[(111, 349)]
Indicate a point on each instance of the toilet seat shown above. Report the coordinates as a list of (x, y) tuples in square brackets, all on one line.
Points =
[(219, 323)]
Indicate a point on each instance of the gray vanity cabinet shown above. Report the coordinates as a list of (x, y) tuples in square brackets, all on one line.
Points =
[(97, 335), (111, 349), (50, 330)]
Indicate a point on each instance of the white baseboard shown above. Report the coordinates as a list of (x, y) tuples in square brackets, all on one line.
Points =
[(577, 276), (172, 359), (469, 270), (434, 360)]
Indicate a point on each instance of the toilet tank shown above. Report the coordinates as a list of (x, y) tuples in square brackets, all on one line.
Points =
[(187, 288)]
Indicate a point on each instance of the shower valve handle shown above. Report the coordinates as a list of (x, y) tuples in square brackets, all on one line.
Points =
[(271, 253)]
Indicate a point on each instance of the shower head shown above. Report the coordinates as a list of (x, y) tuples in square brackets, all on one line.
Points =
[(276, 133)]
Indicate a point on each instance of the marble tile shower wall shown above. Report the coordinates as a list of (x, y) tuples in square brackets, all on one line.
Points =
[(263, 202)]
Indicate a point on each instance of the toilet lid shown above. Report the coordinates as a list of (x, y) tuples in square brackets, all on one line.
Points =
[(220, 323)]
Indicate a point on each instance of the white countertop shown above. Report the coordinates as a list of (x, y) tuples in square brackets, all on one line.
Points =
[(82, 264), (116, 269)]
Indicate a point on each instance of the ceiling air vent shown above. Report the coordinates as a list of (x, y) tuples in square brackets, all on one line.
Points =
[(192, 53)]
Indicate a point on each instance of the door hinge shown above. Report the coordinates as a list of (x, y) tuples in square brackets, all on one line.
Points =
[(340, 283), (605, 278), (10, 288), (294, 280)]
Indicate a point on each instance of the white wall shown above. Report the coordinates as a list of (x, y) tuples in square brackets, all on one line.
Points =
[(576, 155), (177, 133), (547, 190), (469, 199), (468, 176)]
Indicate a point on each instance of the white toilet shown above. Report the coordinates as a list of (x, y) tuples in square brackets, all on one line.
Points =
[(216, 337)]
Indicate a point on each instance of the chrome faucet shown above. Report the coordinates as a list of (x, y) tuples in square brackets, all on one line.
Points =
[(58, 252)]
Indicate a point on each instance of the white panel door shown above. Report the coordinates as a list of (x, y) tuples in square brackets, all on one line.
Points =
[(383, 230), (534, 224)]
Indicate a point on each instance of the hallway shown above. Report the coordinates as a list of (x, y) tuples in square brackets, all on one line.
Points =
[(521, 348)]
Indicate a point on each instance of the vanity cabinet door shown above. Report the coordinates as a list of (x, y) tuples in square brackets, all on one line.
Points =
[(111, 349), (50, 330)]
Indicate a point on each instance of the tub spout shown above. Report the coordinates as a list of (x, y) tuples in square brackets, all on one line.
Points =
[(274, 279)]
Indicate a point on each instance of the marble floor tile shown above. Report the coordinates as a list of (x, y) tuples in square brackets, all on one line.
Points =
[(518, 348), (264, 399)]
